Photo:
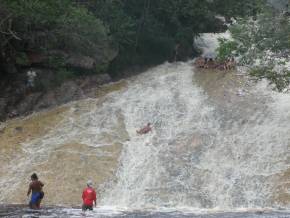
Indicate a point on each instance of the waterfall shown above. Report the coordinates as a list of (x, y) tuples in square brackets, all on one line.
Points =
[(151, 171), (202, 153), (211, 146)]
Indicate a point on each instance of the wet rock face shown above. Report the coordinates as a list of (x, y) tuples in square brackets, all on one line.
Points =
[(3, 102), (48, 65), (19, 100), (79, 61), (70, 60), (43, 143)]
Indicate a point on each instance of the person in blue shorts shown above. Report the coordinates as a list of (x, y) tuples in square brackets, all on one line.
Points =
[(35, 188)]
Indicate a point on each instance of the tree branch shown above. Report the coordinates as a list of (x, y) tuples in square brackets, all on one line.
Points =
[(9, 31)]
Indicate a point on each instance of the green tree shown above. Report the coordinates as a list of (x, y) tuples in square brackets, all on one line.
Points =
[(143, 31), (44, 26)]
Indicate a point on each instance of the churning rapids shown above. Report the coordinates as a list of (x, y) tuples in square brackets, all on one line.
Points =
[(219, 148)]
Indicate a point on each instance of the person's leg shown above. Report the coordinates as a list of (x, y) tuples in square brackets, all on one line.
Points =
[(38, 204), (32, 205), (41, 195), (35, 197), (87, 207)]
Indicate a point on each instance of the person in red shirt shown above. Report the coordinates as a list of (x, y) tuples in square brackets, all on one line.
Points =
[(89, 197)]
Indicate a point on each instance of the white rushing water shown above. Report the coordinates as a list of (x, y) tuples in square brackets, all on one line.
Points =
[(200, 154), (151, 172), (208, 43)]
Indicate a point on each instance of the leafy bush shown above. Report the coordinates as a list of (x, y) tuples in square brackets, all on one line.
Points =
[(56, 25), (262, 44), (62, 75), (79, 31), (226, 48), (280, 80), (141, 32)]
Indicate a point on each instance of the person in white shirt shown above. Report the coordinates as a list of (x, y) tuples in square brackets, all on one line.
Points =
[(30, 78)]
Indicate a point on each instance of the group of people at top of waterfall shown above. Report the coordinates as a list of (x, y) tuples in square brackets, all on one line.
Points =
[(35, 188), (211, 63)]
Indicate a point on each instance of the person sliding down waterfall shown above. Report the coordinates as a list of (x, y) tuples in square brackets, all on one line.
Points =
[(145, 129), (37, 194), (89, 197)]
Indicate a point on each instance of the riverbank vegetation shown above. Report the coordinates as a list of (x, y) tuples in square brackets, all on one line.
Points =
[(52, 52), (87, 36), (262, 44)]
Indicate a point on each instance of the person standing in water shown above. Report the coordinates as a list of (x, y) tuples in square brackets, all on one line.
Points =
[(89, 197), (37, 195)]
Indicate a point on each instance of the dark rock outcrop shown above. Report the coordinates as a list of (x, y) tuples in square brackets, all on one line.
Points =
[(18, 100)]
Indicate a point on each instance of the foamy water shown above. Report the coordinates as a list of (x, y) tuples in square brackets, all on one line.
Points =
[(210, 150), (208, 43), (199, 155)]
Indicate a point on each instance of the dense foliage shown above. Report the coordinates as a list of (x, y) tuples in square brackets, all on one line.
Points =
[(148, 31), (234, 9), (114, 33), (263, 45)]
